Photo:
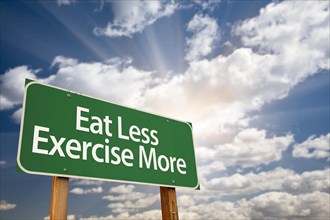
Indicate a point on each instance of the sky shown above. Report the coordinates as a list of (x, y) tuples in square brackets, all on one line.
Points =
[(251, 76)]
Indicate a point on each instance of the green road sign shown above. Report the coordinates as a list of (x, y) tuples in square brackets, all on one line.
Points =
[(64, 133)]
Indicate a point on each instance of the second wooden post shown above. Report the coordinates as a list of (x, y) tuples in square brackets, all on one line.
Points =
[(168, 203)]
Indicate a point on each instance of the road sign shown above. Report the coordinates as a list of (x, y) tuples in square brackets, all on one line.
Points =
[(67, 134)]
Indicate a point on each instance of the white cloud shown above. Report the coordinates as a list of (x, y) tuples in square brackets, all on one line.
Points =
[(292, 31), (203, 153), (133, 16), (271, 205), (65, 2), (149, 215), (81, 191), (212, 167), (122, 189), (69, 217), (214, 210), (278, 179), (308, 181), (86, 182), (125, 196), (313, 147), (17, 115), (12, 85), (274, 205), (133, 205), (88, 78), (205, 33), (221, 90), (185, 200), (62, 62), (94, 217), (2, 163), (127, 200), (245, 79), (207, 4), (96, 78), (5, 103), (251, 148), (4, 205), (124, 193)]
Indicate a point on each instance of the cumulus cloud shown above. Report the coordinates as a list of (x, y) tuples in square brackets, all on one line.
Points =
[(12, 85), (86, 182), (127, 200), (212, 210), (251, 148), (133, 205), (210, 168), (207, 4), (65, 2), (4, 205), (283, 29), (274, 205), (17, 115), (69, 217), (125, 196), (81, 191), (62, 61), (221, 91), (279, 179), (307, 182), (122, 189), (313, 147), (89, 78), (150, 214), (205, 33), (133, 16), (270, 205), (96, 78)]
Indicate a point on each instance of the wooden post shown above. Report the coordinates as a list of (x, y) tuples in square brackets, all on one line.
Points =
[(168, 203), (59, 198)]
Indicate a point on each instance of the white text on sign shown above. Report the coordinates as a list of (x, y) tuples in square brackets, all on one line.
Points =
[(45, 143)]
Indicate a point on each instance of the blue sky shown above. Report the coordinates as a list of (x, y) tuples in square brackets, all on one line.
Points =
[(252, 77)]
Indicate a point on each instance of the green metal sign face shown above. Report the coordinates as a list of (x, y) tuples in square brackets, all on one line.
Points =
[(64, 133)]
